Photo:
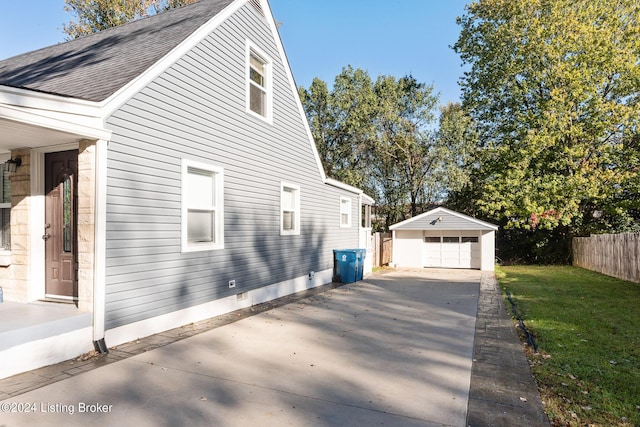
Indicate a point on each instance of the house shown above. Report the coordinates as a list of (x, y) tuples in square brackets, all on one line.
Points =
[(157, 174), (444, 238)]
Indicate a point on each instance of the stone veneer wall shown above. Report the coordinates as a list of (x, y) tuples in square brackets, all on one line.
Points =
[(15, 277)]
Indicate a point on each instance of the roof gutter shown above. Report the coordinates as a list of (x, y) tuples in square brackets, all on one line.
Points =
[(46, 102), (339, 184), (87, 127)]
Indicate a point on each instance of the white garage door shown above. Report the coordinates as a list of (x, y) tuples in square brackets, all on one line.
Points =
[(452, 250)]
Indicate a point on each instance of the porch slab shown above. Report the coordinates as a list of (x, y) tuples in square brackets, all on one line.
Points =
[(21, 323), (38, 334)]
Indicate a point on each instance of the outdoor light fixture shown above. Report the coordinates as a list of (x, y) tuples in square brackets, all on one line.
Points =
[(11, 165)]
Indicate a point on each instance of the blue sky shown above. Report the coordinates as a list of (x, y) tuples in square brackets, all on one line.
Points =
[(320, 37)]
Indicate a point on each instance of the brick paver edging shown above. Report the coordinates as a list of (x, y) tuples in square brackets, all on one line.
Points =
[(503, 392)]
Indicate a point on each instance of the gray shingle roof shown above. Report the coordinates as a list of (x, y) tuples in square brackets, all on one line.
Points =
[(96, 66), (443, 219)]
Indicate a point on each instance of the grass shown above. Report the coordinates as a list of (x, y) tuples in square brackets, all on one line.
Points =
[(587, 328)]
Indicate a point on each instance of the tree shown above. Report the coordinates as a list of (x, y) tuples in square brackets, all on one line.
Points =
[(405, 152), (553, 87), (92, 16), (379, 136), (341, 123), (457, 142)]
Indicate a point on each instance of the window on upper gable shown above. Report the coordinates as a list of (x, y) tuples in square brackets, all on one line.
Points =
[(202, 207), (258, 83)]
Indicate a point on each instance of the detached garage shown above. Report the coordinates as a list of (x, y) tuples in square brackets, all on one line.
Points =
[(444, 238)]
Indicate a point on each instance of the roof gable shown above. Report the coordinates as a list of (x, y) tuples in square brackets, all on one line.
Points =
[(89, 78), (443, 219), (96, 66)]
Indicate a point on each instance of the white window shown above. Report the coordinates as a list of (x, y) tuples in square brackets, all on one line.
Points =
[(258, 83), (366, 216), (289, 209), (345, 212), (202, 207), (5, 209)]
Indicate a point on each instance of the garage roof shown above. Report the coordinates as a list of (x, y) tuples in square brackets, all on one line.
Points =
[(443, 219)]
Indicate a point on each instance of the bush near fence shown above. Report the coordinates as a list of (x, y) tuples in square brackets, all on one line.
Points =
[(616, 255)]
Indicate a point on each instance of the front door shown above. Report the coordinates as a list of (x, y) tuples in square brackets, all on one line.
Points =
[(60, 234)]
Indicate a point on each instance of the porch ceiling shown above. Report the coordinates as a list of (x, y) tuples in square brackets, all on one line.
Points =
[(14, 135)]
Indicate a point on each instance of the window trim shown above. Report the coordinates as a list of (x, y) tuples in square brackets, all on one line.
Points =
[(218, 207), (252, 49), (296, 228), (349, 212)]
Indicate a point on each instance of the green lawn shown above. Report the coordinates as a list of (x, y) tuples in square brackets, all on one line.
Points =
[(587, 328)]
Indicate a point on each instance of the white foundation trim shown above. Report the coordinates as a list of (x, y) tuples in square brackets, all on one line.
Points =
[(154, 325)]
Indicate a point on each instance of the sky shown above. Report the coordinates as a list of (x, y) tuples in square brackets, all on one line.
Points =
[(320, 37)]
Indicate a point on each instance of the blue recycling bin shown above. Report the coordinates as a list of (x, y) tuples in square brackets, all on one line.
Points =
[(360, 254), (344, 265), (348, 265)]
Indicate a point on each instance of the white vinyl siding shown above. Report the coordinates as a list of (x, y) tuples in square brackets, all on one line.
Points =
[(290, 209), (345, 212), (202, 207)]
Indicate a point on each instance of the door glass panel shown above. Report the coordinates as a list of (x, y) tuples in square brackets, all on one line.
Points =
[(67, 214)]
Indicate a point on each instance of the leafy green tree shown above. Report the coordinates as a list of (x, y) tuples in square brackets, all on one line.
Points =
[(341, 122), (405, 152), (379, 136), (92, 16), (317, 105), (457, 142), (553, 87)]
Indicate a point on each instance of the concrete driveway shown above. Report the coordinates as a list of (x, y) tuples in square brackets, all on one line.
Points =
[(393, 350)]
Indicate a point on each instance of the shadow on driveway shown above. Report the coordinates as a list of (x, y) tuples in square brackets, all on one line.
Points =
[(395, 349)]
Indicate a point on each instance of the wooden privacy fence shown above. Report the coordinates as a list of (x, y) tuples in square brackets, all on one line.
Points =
[(382, 244), (616, 255)]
